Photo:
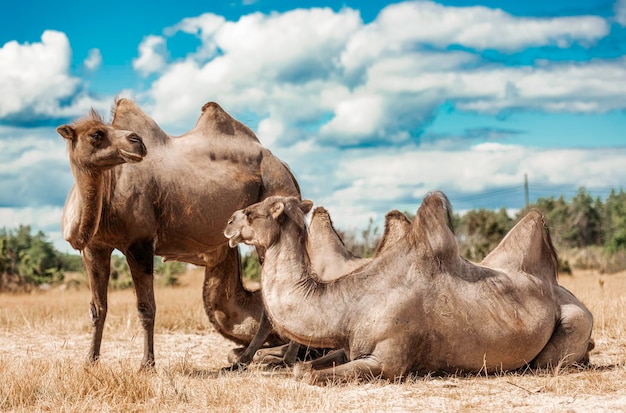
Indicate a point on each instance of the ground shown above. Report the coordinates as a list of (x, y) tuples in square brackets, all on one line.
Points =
[(44, 339)]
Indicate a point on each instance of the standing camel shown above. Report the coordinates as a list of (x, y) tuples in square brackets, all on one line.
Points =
[(145, 193), (418, 306)]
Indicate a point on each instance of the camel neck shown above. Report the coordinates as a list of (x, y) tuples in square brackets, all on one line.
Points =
[(301, 307), (90, 188)]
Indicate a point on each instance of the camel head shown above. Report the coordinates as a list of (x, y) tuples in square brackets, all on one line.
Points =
[(95, 146), (261, 224)]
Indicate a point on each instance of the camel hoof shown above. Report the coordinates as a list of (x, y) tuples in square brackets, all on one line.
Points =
[(234, 367), (303, 372), (147, 367), (234, 355)]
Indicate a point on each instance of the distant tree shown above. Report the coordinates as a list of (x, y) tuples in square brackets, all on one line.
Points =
[(250, 265), (31, 258), (614, 222), (584, 221), (165, 273), (556, 212), (480, 231), (363, 245)]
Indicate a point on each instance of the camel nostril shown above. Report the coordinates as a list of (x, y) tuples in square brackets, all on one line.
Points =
[(134, 138)]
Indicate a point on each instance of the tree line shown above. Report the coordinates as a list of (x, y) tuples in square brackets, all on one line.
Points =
[(30, 260), (588, 232)]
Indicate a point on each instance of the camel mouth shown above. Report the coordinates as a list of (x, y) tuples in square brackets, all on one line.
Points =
[(130, 156), (233, 239)]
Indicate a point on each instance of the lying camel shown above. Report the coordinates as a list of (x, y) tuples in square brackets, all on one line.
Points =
[(330, 259), (145, 193), (418, 306)]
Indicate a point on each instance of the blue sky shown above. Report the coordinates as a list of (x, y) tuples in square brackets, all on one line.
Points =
[(372, 104)]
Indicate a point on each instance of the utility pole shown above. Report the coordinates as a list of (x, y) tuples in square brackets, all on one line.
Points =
[(526, 190)]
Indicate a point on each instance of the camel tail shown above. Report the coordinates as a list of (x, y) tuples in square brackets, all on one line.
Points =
[(527, 247)]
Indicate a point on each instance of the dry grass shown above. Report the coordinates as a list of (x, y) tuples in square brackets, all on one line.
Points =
[(44, 338)]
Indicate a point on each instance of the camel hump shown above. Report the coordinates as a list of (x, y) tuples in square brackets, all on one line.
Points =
[(527, 247), (397, 225), (320, 216), (215, 119), (321, 227), (276, 177), (128, 116), (432, 229)]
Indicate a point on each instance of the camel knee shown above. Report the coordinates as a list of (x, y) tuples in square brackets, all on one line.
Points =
[(97, 313), (571, 341), (146, 313)]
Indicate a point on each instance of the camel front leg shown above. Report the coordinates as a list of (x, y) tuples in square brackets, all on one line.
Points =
[(140, 258), (331, 359), (265, 328), (365, 368), (97, 262)]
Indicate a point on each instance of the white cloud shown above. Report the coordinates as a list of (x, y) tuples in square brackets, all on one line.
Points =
[(620, 12), (34, 167), (204, 26), (265, 64), (35, 75), (93, 60), (328, 74), (356, 116), (269, 130), (481, 28), (151, 55), (368, 183), (35, 78), (46, 219)]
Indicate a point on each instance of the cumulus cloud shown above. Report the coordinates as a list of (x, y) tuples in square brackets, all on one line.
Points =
[(265, 63), (370, 182), (151, 55), (325, 73), (36, 83), (34, 168), (425, 23), (93, 60)]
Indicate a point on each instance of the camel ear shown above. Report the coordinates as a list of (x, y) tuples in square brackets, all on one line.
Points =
[(66, 131), (306, 206), (277, 209)]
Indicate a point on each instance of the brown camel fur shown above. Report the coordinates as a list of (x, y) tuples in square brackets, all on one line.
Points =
[(419, 306), (173, 203)]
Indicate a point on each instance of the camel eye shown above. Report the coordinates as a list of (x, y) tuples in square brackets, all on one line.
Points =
[(96, 136)]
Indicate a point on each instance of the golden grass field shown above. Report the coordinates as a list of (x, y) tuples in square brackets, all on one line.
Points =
[(44, 338)]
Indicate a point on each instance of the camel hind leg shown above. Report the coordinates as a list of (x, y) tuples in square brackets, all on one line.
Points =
[(140, 259), (571, 341)]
